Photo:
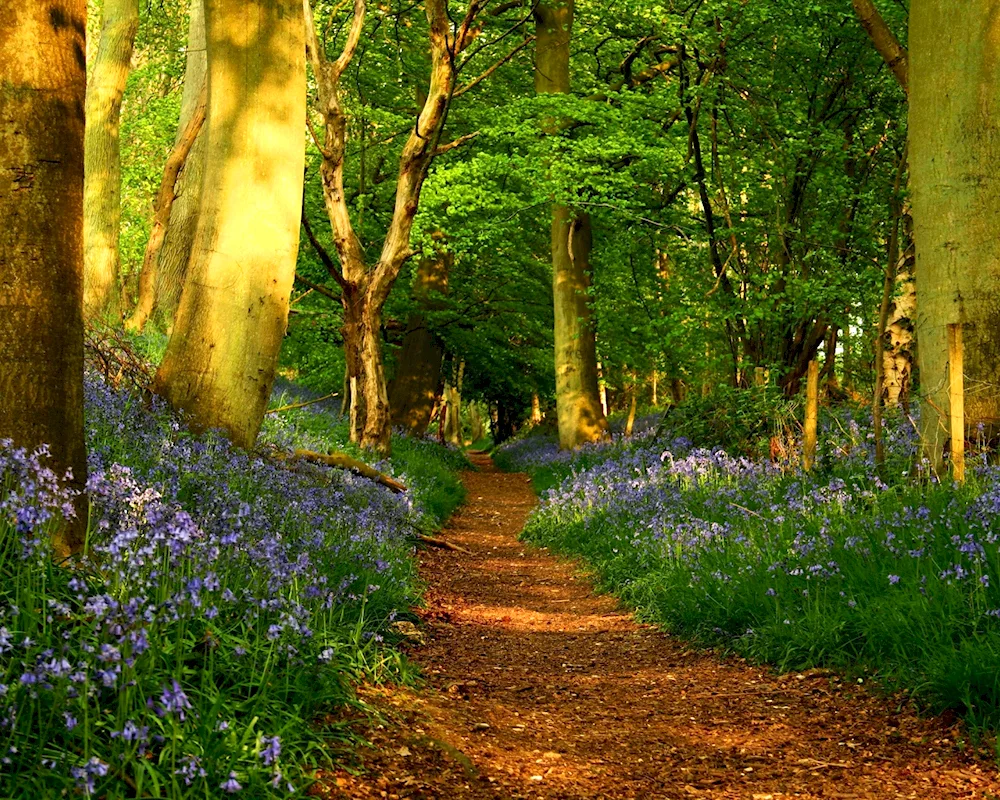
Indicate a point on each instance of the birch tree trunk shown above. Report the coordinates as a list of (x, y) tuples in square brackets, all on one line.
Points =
[(955, 180), (102, 165), (221, 359), (579, 412), (42, 98), (898, 355)]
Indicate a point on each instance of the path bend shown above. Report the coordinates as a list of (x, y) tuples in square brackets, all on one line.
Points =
[(537, 687)]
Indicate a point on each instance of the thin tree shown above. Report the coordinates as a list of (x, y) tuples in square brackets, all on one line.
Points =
[(169, 250), (42, 93), (102, 172), (578, 405)]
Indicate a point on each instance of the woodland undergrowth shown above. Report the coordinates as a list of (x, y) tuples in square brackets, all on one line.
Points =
[(885, 575), (207, 641)]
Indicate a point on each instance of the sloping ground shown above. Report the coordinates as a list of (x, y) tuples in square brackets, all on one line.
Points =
[(538, 688)]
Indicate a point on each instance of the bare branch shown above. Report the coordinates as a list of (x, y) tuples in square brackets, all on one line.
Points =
[(484, 75), (353, 37), (444, 148), (317, 288), (324, 256)]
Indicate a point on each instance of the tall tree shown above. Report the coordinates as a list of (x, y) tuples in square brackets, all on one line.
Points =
[(220, 363), (163, 269), (102, 171), (42, 47), (955, 181), (365, 286), (578, 406)]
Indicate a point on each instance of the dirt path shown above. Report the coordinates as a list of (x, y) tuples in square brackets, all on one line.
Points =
[(538, 688)]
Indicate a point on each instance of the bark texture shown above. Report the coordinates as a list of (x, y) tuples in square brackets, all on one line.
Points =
[(581, 417), (102, 171), (220, 362), (955, 181), (42, 96), (415, 387), (172, 262)]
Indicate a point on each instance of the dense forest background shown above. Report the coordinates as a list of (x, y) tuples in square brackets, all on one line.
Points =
[(737, 164)]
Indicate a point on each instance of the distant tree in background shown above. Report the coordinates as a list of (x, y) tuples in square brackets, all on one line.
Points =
[(102, 207)]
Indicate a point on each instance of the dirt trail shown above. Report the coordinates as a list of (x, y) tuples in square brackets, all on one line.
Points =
[(539, 688)]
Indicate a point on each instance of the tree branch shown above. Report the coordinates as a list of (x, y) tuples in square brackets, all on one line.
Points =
[(324, 256), (885, 42), (484, 75), (444, 148), (317, 288)]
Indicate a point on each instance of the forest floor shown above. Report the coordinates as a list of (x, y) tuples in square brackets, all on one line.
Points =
[(537, 687)]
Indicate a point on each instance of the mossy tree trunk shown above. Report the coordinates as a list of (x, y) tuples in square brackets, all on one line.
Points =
[(579, 412), (42, 96), (102, 171), (220, 363), (954, 145)]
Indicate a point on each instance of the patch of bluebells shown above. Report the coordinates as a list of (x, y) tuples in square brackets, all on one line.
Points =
[(220, 590), (841, 566)]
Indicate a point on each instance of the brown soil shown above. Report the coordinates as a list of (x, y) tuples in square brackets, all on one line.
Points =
[(539, 688)]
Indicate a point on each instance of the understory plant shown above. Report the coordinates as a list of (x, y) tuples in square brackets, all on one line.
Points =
[(226, 601)]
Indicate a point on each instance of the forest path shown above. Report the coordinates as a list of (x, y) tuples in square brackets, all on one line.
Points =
[(539, 688)]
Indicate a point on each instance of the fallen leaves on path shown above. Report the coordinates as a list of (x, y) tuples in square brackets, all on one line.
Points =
[(539, 688)]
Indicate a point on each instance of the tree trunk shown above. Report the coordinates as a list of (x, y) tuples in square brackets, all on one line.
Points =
[(536, 408), (149, 275), (377, 429), (453, 399), (412, 392), (581, 417), (220, 362), (172, 263), (476, 421), (955, 181), (633, 401), (898, 355), (102, 166), (42, 98)]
